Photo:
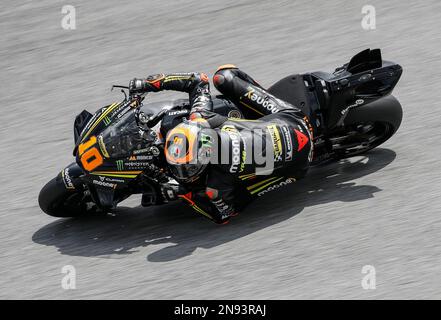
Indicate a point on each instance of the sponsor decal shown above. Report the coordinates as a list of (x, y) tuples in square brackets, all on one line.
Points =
[(119, 165), (244, 158), (224, 209), (244, 155), (154, 151), (311, 136), (139, 151), (277, 143), (276, 186), (111, 179), (92, 123), (102, 146), (235, 146), (174, 113), (67, 179), (357, 103), (235, 152), (104, 183), (309, 126), (118, 110), (137, 164), (302, 139), (234, 114), (137, 158), (264, 102), (171, 194), (144, 158), (288, 143), (107, 121)]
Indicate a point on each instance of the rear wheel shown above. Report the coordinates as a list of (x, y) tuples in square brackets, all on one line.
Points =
[(367, 127), (359, 138)]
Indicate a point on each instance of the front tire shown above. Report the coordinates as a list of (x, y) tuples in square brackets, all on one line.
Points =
[(57, 201)]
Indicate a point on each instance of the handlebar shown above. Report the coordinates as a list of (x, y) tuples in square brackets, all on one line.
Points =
[(137, 98)]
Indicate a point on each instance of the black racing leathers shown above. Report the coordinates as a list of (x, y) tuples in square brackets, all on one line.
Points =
[(263, 154), (255, 156)]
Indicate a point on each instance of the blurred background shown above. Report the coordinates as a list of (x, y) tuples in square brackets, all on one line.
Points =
[(310, 240)]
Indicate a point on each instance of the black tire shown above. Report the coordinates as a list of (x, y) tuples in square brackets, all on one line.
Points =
[(367, 127), (57, 201)]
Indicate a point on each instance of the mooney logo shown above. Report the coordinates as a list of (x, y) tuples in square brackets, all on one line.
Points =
[(261, 100), (276, 186), (67, 180), (104, 184)]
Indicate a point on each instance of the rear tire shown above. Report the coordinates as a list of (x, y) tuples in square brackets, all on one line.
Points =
[(57, 201), (367, 127)]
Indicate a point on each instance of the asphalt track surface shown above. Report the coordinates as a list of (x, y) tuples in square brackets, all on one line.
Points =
[(310, 240)]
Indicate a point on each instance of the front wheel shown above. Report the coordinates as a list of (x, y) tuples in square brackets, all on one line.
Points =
[(367, 127), (58, 201)]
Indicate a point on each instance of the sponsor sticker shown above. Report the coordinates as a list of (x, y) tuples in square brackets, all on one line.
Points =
[(261, 100), (103, 183), (106, 121), (136, 164), (67, 179), (244, 155), (176, 112), (288, 143), (102, 146), (119, 165), (234, 114), (139, 151), (276, 186), (277, 143), (235, 146)]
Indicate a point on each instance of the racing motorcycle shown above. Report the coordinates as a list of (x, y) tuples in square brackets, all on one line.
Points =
[(119, 150)]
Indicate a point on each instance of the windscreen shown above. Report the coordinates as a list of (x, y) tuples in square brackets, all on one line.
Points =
[(122, 137)]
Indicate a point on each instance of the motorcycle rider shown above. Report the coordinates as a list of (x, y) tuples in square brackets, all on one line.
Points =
[(220, 190)]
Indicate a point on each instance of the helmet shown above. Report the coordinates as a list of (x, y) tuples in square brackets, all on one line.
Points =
[(188, 149)]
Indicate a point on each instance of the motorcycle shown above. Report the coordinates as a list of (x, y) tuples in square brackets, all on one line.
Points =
[(119, 150)]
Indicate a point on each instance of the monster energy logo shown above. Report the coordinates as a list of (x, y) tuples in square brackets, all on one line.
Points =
[(119, 165), (106, 121)]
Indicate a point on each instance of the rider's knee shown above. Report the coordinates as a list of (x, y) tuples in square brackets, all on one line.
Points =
[(224, 76)]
